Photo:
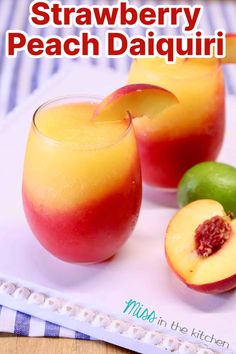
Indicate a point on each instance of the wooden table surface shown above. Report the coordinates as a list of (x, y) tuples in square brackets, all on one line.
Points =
[(10, 344)]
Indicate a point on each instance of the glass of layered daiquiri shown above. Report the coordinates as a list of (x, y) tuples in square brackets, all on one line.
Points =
[(187, 133), (82, 181)]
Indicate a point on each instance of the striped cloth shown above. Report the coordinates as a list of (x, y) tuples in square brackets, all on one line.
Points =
[(22, 75), (22, 324)]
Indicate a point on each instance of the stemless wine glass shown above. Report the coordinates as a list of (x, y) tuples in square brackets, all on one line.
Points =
[(186, 133), (82, 180)]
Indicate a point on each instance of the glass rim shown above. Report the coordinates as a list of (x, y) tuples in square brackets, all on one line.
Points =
[(216, 69), (77, 98)]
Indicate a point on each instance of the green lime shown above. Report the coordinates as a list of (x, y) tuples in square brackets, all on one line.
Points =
[(209, 180)]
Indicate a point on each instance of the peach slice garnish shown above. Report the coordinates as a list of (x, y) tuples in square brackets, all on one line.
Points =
[(230, 49), (200, 246), (136, 99)]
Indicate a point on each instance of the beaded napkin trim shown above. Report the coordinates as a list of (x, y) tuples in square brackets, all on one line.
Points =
[(99, 320)]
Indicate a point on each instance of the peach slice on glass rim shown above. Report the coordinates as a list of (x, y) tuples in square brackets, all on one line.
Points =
[(200, 246), (230, 49), (136, 99)]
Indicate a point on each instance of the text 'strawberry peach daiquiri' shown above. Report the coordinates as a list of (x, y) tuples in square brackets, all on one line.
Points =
[(187, 133), (82, 181)]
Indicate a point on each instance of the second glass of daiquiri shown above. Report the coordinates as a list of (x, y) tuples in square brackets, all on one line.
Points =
[(184, 134)]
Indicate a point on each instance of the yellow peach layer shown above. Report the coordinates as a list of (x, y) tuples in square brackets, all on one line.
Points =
[(86, 162)]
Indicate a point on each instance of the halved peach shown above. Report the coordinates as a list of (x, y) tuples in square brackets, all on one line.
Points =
[(230, 49), (200, 246), (136, 99)]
